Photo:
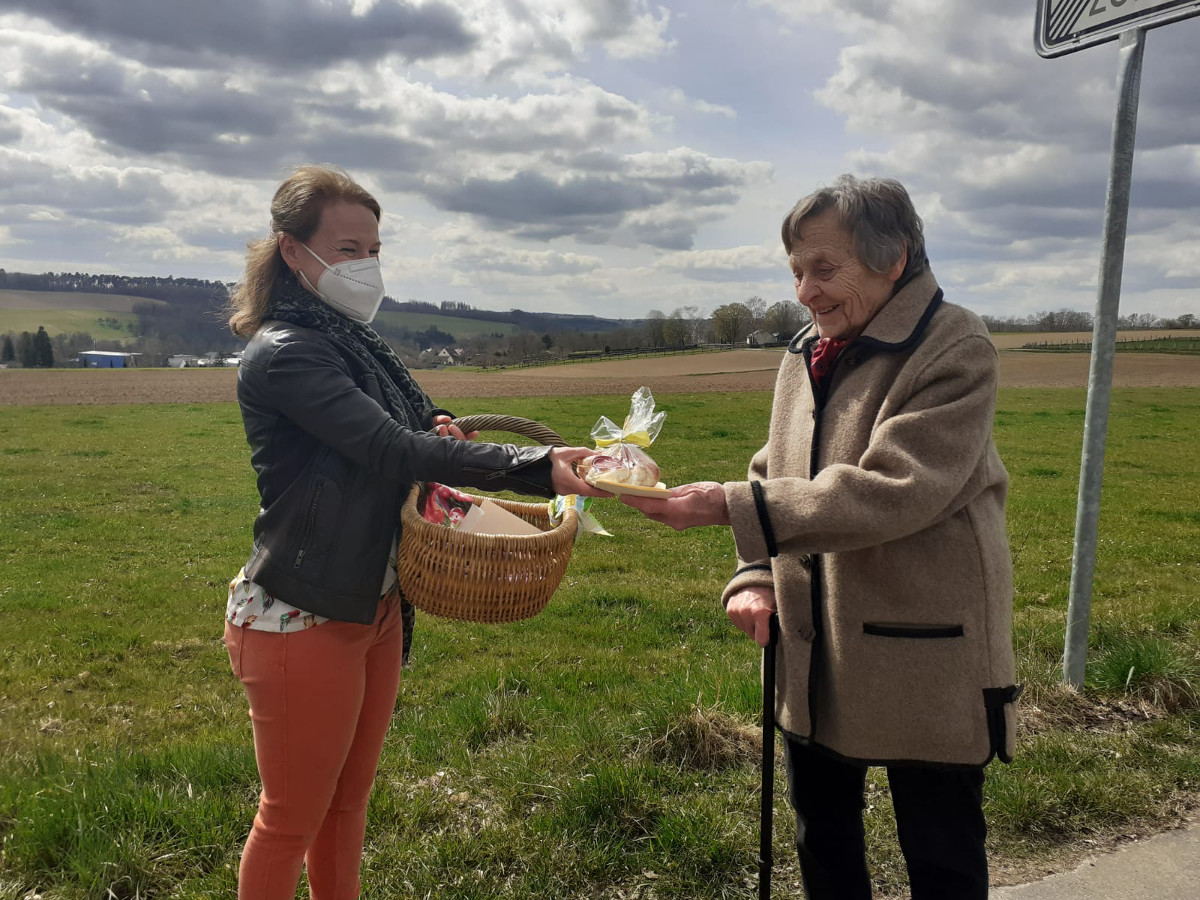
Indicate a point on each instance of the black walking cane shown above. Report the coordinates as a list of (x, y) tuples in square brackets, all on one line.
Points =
[(768, 762)]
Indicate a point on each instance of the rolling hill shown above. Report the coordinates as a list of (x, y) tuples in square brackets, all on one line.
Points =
[(458, 326), (104, 316)]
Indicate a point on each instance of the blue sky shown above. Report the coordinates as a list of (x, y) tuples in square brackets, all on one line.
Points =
[(602, 156)]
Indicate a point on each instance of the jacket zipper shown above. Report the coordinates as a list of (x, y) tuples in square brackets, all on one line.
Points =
[(309, 524), (493, 474)]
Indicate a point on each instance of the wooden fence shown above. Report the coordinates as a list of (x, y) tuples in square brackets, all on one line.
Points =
[(600, 355), (1126, 345)]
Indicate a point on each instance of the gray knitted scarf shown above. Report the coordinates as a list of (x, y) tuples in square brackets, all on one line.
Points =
[(407, 403)]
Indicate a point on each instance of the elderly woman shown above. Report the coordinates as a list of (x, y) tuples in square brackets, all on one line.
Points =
[(338, 433), (872, 523)]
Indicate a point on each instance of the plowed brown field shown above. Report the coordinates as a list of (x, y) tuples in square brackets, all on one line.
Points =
[(735, 370)]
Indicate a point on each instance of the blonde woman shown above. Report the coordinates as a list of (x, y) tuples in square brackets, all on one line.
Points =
[(338, 433)]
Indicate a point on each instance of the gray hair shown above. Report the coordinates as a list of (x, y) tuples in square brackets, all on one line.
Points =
[(878, 214)]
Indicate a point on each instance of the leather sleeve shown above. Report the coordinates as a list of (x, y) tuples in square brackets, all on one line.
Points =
[(307, 381)]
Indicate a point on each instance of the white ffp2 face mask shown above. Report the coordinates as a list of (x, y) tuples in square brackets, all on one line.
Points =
[(354, 287)]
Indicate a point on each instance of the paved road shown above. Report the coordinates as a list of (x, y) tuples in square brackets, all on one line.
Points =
[(1164, 866)]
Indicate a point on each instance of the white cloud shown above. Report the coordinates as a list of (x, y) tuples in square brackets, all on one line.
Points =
[(570, 154), (749, 263), (1006, 153), (479, 257), (678, 98)]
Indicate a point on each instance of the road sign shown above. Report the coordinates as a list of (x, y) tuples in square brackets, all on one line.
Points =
[(1061, 27), (1064, 26)]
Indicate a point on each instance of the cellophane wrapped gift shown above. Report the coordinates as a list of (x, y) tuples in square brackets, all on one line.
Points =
[(621, 450)]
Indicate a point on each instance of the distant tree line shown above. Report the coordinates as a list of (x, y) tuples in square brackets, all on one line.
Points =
[(531, 321), (420, 339), (191, 316), (32, 351), (170, 289), (1075, 320)]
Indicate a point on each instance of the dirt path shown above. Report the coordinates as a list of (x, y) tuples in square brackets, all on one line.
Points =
[(736, 370)]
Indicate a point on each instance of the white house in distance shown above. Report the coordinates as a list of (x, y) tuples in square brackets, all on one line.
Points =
[(447, 356), (107, 359), (760, 338), (212, 358)]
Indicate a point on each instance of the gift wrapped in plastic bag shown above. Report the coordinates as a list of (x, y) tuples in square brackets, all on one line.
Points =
[(622, 456)]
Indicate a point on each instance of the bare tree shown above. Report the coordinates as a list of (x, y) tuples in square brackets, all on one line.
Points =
[(656, 335), (758, 312), (523, 345), (1138, 320), (677, 330), (695, 324), (785, 318), (731, 323)]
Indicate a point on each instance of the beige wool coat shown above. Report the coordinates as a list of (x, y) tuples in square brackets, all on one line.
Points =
[(876, 513)]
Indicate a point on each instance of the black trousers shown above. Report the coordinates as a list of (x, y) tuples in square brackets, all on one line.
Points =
[(939, 818)]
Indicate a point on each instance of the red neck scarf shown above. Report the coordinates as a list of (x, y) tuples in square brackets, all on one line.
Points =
[(824, 355)]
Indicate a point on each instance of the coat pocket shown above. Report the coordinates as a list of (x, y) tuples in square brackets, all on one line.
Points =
[(319, 520), (892, 630), (1000, 704)]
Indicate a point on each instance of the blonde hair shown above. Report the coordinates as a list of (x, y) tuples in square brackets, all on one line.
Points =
[(296, 210)]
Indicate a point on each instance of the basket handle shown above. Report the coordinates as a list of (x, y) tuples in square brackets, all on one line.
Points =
[(526, 427)]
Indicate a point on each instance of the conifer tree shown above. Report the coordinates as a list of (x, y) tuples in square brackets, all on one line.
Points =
[(43, 351), (7, 352), (25, 349)]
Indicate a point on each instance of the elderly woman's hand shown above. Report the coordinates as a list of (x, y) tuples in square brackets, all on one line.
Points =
[(444, 427), (690, 505), (750, 609)]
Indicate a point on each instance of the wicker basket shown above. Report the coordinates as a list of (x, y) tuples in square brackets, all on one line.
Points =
[(485, 577)]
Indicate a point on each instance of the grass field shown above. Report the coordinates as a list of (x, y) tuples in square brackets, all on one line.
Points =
[(1171, 344), (67, 312), (603, 749), (82, 300), (68, 321), (459, 327)]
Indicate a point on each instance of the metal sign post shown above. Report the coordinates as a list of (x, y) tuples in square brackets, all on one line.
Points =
[(1104, 342), (1061, 27)]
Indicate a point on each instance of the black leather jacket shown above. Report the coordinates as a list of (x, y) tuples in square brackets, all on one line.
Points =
[(333, 468)]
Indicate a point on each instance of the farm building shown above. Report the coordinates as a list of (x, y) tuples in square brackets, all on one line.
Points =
[(107, 359), (212, 358), (761, 338)]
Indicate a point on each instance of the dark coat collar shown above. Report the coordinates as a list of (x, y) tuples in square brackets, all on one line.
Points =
[(898, 325)]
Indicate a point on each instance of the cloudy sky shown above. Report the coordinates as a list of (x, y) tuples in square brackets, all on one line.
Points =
[(602, 156)]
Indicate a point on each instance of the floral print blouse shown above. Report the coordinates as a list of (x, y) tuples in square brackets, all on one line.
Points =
[(251, 606)]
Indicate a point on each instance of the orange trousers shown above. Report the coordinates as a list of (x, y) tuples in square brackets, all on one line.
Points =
[(321, 700)]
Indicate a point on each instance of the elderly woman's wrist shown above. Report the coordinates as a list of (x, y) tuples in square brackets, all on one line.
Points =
[(721, 505)]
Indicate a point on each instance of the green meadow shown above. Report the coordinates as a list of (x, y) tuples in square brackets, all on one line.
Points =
[(69, 312), (98, 324), (605, 748)]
